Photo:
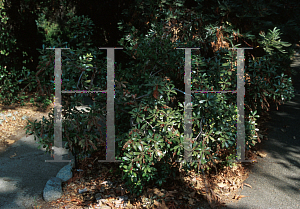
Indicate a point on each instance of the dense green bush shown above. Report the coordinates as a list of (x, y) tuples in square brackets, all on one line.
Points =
[(158, 135), (18, 42), (269, 81), (149, 126), (80, 65), (9, 75)]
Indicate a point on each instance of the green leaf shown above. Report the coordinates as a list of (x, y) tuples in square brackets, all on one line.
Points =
[(218, 132), (125, 158)]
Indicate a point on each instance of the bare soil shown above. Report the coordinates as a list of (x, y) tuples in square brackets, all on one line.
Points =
[(13, 129)]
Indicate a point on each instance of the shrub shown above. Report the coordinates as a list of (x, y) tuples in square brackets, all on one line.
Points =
[(18, 57), (8, 77), (149, 130), (158, 136), (79, 67)]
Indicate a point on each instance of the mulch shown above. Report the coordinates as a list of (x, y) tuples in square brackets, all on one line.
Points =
[(13, 120), (187, 190)]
